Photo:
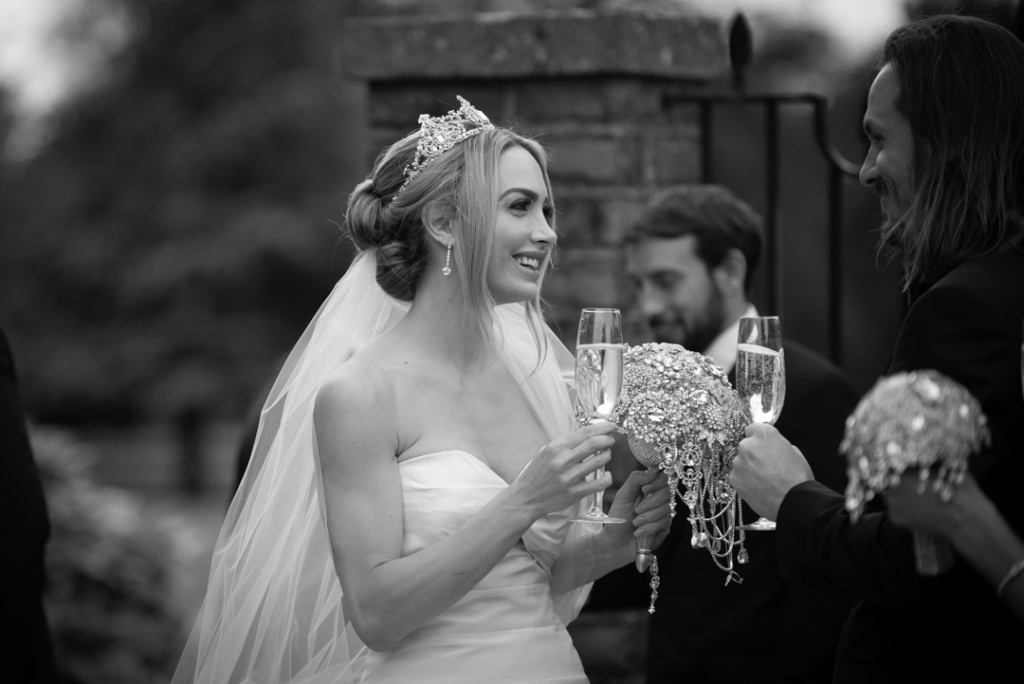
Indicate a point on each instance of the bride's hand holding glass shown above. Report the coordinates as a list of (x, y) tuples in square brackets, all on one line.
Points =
[(557, 477)]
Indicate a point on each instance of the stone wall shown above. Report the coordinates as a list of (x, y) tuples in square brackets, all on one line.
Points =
[(589, 85)]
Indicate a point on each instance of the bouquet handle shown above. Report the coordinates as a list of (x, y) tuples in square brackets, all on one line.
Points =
[(932, 556)]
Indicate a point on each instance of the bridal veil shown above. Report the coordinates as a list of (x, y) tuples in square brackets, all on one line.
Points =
[(274, 610)]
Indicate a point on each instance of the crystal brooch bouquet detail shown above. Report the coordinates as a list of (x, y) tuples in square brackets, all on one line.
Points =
[(681, 415), (918, 420)]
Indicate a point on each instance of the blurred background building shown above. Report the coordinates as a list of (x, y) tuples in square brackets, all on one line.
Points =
[(173, 176)]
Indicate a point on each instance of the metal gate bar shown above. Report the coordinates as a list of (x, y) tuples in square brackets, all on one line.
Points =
[(839, 169)]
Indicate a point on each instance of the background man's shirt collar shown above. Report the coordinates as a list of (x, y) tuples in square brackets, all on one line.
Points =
[(723, 349)]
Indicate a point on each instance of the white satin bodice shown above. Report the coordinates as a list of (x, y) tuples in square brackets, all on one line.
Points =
[(505, 630)]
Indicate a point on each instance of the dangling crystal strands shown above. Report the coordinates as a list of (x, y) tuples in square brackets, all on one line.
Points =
[(681, 415), (655, 582), (440, 134)]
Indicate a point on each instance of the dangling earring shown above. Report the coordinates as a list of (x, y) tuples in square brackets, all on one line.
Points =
[(447, 270)]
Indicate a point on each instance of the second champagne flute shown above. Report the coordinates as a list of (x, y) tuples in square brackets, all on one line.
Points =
[(761, 378), (599, 351)]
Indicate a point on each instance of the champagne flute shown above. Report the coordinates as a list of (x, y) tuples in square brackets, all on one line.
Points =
[(599, 351), (761, 379)]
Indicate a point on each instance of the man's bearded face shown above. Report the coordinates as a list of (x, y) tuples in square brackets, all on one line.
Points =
[(889, 165), (676, 291)]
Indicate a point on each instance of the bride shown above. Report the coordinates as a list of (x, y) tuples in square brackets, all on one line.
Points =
[(405, 514)]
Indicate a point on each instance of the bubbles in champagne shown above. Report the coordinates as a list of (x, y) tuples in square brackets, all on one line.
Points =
[(599, 378), (760, 382)]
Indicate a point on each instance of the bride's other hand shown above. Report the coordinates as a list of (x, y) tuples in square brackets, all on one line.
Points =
[(556, 478), (643, 501)]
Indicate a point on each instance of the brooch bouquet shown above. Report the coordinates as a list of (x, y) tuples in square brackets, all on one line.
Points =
[(681, 414), (919, 420)]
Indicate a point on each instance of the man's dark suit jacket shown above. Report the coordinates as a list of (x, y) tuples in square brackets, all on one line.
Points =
[(24, 528), (905, 627), (763, 629)]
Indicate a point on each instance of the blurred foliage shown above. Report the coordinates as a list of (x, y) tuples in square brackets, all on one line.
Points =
[(174, 235), (110, 569)]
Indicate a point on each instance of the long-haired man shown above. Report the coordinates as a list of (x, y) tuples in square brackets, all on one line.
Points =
[(945, 120)]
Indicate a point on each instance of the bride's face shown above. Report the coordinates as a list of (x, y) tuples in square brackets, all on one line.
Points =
[(523, 238)]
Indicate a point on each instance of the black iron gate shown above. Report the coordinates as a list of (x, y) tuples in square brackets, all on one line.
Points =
[(839, 170)]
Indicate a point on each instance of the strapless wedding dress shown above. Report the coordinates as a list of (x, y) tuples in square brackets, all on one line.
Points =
[(505, 630)]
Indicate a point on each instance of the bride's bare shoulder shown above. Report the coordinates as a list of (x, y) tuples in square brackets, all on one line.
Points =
[(359, 396), (359, 382)]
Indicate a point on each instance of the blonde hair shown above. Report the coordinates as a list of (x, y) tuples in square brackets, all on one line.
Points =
[(461, 185)]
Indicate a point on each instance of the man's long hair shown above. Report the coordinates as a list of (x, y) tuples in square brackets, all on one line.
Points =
[(962, 91)]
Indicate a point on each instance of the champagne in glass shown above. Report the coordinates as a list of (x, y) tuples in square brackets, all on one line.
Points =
[(763, 381), (599, 351), (599, 379), (761, 378)]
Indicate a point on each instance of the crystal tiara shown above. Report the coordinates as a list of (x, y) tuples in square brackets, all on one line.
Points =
[(440, 134)]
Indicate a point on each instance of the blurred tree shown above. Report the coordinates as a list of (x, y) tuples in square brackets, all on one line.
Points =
[(173, 236)]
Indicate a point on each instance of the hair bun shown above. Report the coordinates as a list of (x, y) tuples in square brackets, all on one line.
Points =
[(364, 217), (399, 262), (399, 267)]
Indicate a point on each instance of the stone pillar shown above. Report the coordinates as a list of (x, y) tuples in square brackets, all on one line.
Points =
[(590, 85)]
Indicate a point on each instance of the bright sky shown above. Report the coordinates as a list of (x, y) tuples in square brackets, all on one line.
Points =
[(37, 73), (858, 25), (40, 74)]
